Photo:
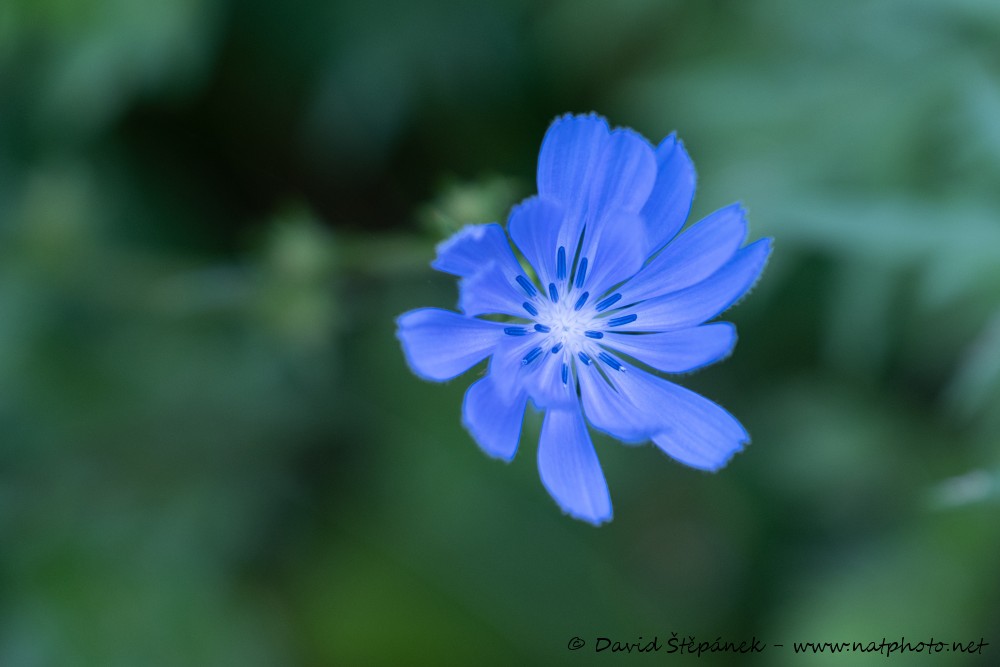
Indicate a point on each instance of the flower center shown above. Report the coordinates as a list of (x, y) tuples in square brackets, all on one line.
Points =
[(568, 322), (568, 318), (564, 323)]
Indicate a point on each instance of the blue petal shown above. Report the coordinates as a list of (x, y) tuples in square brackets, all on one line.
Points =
[(494, 418), (481, 255), (570, 158), (621, 186), (670, 201), (688, 427), (466, 251), (678, 351), (615, 250), (545, 386), (691, 428), (440, 344), (706, 299), (491, 290), (609, 411), (593, 172), (569, 467), (541, 378), (693, 256), (701, 434), (534, 225), (510, 376), (626, 174)]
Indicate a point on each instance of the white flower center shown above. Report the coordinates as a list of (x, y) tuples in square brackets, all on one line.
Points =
[(567, 325), (568, 322)]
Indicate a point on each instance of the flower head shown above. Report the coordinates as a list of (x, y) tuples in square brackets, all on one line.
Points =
[(606, 297)]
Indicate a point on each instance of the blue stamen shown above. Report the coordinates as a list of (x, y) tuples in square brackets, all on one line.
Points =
[(565, 374), (515, 331), (584, 358), (561, 264), (607, 303), (531, 309), (541, 328), (553, 293), (593, 334), (526, 285), (581, 272), (556, 348), (582, 300), (610, 361), (624, 319), (531, 356)]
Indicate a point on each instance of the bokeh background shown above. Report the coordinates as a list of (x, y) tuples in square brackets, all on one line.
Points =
[(211, 449)]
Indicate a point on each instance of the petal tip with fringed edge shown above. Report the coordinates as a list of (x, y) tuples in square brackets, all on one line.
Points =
[(568, 466), (440, 344), (493, 418), (673, 192), (609, 279)]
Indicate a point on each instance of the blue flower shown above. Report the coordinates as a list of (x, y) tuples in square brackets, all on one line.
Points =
[(606, 296)]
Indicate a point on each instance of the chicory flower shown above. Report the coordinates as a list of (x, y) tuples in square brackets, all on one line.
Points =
[(606, 297)]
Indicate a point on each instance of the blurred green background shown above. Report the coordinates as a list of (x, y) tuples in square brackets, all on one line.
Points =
[(213, 453)]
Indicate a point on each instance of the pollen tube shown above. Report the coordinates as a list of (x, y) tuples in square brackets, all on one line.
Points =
[(531, 309), (541, 328), (593, 334), (553, 293), (561, 264), (582, 300), (515, 331)]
